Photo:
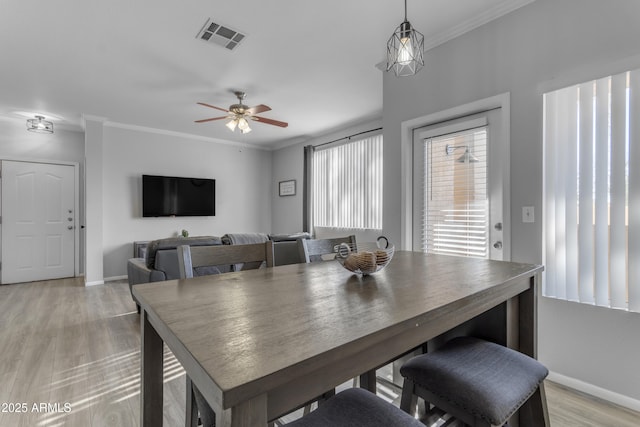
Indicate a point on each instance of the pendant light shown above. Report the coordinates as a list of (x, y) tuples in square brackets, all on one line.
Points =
[(405, 49)]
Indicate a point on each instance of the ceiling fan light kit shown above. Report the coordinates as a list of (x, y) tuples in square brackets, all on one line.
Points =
[(240, 114), (239, 122), (405, 49)]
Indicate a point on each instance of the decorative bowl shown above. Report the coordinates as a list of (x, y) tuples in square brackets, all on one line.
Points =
[(366, 258)]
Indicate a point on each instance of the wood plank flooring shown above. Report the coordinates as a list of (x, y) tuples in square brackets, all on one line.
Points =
[(70, 356)]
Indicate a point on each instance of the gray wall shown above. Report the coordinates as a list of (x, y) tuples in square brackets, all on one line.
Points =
[(243, 189), (62, 145), (287, 210), (545, 45)]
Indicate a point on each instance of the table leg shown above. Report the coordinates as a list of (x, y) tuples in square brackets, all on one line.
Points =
[(534, 412), (151, 374), (368, 381), (191, 409), (252, 413)]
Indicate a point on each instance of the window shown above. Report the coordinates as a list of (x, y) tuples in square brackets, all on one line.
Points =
[(455, 212), (347, 185), (592, 192)]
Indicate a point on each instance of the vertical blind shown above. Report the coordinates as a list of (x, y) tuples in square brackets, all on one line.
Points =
[(592, 192), (455, 215), (347, 185)]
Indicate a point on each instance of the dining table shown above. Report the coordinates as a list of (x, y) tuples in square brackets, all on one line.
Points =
[(260, 343)]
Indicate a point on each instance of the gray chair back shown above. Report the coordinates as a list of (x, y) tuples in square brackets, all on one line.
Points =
[(313, 249), (251, 256)]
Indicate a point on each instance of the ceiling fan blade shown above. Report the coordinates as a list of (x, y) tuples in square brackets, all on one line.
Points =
[(257, 109), (211, 119), (270, 121), (213, 106)]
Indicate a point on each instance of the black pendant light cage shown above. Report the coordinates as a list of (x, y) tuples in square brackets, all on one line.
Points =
[(405, 49)]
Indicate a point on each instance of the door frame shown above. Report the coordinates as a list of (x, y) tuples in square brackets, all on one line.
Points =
[(502, 101), (76, 203)]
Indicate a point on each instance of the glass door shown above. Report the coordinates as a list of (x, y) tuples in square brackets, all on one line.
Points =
[(457, 188)]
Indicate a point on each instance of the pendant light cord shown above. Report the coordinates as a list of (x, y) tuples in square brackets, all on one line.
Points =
[(405, 10)]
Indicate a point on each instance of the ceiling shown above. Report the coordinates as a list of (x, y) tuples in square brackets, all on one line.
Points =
[(139, 63)]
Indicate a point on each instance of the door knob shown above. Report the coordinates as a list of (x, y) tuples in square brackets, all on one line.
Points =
[(498, 226), (498, 245), (70, 219), (70, 227)]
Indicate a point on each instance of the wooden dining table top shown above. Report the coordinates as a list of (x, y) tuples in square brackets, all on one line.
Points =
[(253, 331)]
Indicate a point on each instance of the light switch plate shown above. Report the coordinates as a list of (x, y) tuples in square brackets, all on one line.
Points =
[(528, 214)]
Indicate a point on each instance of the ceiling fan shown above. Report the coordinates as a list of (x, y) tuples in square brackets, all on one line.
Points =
[(240, 114)]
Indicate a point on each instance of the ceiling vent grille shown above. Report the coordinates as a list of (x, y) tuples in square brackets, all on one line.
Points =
[(221, 35)]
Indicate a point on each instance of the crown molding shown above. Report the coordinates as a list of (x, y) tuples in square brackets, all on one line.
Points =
[(182, 135), (487, 16)]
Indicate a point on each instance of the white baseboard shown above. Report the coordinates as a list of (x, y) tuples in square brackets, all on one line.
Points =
[(114, 278), (599, 392), (105, 280)]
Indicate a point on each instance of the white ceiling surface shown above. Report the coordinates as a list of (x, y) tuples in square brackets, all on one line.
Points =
[(139, 63)]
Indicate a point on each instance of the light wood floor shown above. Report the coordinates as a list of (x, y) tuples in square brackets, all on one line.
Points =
[(70, 356)]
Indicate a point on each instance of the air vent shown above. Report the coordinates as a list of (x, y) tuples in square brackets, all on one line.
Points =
[(221, 35)]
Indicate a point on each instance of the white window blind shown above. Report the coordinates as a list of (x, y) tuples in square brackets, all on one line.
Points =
[(455, 212), (592, 192), (347, 185)]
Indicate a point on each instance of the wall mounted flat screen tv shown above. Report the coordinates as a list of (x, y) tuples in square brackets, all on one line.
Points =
[(177, 196)]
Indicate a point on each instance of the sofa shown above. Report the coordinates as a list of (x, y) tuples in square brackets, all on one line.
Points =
[(158, 259)]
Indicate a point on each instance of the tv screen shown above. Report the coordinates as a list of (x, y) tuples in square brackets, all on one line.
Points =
[(177, 196)]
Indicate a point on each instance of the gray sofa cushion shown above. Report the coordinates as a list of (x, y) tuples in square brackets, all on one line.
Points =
[(244, 238), (289, 237)]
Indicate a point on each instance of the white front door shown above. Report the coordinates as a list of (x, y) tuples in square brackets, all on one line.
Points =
[(38, 221)]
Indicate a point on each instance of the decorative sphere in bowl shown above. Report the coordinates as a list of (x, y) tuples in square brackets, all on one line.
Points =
[(366, 258)]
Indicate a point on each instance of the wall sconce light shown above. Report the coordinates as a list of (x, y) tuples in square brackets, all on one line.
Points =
[(39, 125), (466, 157)]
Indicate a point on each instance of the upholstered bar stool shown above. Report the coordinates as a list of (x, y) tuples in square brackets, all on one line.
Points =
[(356, 407), (477, 382)]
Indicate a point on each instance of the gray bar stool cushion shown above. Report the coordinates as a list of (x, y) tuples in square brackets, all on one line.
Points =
[(482, 378), (356, 407)]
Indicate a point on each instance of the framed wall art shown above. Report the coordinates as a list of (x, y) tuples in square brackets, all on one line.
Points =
[(287, 188)]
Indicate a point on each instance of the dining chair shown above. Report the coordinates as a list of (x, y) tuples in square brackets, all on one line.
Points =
[(312, 250), (242, 257), (356, 407), (477, 382)]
